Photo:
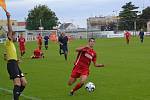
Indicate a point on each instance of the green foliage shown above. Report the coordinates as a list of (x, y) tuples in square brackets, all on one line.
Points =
[(127, 16), (43, 13), (144, 18)]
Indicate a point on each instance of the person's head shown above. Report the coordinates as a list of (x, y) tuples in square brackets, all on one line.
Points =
[(63, 34), (91, 42), (21, 35), (141, 29)]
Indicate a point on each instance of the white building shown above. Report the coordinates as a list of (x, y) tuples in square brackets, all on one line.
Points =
[(67, 27), (148, 26), (100, 23)]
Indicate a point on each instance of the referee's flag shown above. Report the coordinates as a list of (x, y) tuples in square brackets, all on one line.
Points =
[(2, 4)]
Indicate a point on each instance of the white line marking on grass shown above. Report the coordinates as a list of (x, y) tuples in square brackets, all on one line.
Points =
[(22, 95)]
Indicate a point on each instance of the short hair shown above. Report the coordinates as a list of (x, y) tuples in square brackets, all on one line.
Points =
[(91, 39)]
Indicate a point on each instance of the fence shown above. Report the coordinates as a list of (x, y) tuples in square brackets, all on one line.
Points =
[(2, 40)]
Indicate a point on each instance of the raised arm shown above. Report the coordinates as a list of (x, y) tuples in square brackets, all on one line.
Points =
[(9, 34)]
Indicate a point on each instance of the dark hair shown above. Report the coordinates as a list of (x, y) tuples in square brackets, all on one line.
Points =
[(91, 39)]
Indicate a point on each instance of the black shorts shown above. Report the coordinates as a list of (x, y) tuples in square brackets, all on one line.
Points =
[(64, 48), (13, 69), (46, 42)]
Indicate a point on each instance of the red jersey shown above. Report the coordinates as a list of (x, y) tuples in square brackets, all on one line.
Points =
[(21, 41), (39, 38), (127, 34), (37, 53), (84, 58)]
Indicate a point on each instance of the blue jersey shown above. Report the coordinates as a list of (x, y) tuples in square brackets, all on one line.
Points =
[(141, 34), (46, 38), (63, 40)]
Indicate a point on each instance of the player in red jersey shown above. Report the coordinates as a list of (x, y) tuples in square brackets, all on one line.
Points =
[(127, 36), (39, 40), (37, 54), (85, 55), (22, 41)]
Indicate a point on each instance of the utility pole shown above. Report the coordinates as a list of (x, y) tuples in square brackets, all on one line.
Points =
[(116, 17), (41, 28), (135, 27)]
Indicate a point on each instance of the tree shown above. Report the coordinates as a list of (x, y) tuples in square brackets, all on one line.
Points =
[(128, 16), (41, 16), (144, 18)]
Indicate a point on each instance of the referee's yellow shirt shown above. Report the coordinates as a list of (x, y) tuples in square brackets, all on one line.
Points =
[(10, 50)]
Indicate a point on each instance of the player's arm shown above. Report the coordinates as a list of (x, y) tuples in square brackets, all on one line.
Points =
[(9, 34), (24, 41), (130, 35), (81, 48), (67, 39), (59, 39), (95, 64), (98, 65), (60, 43)]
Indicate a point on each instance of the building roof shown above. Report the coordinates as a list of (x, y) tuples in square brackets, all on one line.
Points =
[(16, 28), (64, 25), (22, 23)]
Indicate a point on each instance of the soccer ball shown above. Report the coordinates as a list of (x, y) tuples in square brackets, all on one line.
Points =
[(90, 87)]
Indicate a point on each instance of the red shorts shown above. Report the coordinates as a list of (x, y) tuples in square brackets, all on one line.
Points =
[(39, 43), (36, 57), (76, 72), (22, 48)]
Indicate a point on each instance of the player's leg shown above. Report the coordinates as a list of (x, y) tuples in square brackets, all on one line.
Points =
[(47, 45), (127, 39), (23, 50), (65, 50), (12, 67), (23, 84), (20, 50), (83, 78), (141, 39), (60, 48), (23, 81), (71, 81), (16, 90), (40, 45)]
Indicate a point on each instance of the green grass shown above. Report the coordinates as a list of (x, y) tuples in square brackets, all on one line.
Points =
[(125, 77)]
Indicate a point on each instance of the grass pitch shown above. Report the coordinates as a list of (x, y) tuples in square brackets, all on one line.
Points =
[(126, 75)]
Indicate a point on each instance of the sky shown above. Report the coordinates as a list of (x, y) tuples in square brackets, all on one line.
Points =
[(74, 11)]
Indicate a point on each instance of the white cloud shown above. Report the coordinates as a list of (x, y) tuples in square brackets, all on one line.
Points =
[(68, 10)]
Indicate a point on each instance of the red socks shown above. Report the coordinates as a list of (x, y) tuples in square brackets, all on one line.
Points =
[(78, 86)]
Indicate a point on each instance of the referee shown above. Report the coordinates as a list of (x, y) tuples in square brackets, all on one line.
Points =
[(13, 69)]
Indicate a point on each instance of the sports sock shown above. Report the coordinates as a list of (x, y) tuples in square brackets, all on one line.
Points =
[(21, 54), (21, 89), (78, 86), (16, 92), (65, 56)]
